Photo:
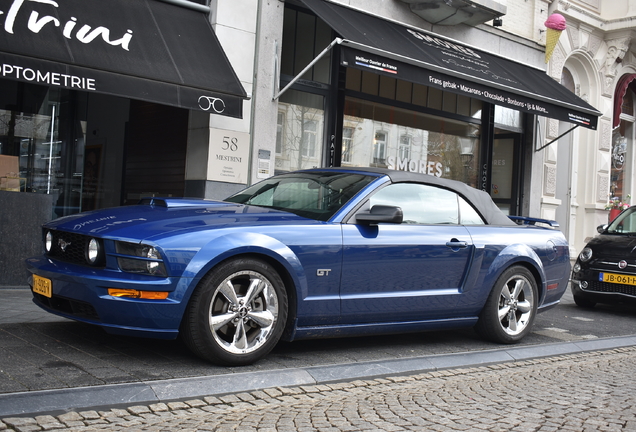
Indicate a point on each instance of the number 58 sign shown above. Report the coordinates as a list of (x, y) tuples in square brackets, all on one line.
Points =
[(228, 156)]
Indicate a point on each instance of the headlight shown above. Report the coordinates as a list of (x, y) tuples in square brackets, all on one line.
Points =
[(586, 254), (152, 253), (93, 251), (576, 268), (48, 241), (139, 258)]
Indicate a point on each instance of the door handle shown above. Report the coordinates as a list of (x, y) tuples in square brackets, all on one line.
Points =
[(456, 244)]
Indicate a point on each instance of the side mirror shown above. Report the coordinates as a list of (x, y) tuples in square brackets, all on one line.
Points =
[(381, 214), (601, 228)]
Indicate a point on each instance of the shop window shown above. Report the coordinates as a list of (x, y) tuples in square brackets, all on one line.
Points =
[(389, 88), (370, 83), (411, 141), (42, 146), (622, 173), (347, 143), (301, 119), (420, 95), (304, 37), (435, 98), (404, 90), (450, 102), (508, 119), (622, 155)]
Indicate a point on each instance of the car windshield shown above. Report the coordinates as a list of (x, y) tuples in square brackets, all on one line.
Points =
[(314, 195), (625, 223)]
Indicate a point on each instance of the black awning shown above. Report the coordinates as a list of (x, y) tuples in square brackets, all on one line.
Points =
[(142, 49), (384, 47)]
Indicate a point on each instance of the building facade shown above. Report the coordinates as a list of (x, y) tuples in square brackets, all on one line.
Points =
[(583, 171), (314, 83)]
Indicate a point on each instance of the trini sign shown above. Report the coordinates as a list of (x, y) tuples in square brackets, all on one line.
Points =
[(84, 34)]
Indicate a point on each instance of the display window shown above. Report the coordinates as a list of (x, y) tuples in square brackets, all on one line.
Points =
[(299, 140), (42, 146)]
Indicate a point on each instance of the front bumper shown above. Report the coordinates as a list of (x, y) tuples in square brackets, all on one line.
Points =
[(586, 284), (81, 293)]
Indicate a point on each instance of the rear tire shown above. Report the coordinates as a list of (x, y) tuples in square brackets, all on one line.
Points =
[(511, 307), (236, 314)]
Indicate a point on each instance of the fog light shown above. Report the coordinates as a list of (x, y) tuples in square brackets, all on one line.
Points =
[(133, 293), (583, 284)]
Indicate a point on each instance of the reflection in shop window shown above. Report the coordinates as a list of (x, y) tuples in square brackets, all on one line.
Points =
[(347, 144), (39, 156), (405, 147), (310, 130), (508, 119), (379, 148), (406, 140), (301, 117)]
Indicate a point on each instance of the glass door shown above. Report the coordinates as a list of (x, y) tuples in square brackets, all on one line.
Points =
[(506, 169)]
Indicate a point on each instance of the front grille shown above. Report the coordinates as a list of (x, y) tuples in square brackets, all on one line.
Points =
[(605, 287), (76, 308), (69, 247), (607, 265)]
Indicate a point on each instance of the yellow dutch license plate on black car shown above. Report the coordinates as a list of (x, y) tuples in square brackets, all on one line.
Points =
[(617, 278), (42, 286)]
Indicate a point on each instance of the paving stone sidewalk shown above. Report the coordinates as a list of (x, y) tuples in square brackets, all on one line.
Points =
[(579, 392)]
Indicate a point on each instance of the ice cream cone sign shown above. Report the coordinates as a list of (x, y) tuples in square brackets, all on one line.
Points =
[(555, 24)]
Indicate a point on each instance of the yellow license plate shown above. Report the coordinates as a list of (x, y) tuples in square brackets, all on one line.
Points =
[(42, 286), (617, 278)]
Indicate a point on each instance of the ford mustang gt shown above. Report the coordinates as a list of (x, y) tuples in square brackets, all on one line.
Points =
[(318, 253)]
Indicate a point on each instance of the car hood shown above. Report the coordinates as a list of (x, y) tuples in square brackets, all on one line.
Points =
[(614, 245), (141, 222)]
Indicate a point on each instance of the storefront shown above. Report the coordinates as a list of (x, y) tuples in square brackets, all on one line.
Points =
[(95, 99), (384, 94)]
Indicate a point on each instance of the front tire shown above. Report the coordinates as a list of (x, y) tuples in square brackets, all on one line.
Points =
[(511, 307), (236, 314)]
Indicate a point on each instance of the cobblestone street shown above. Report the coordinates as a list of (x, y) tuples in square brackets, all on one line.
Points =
[(586, 391)]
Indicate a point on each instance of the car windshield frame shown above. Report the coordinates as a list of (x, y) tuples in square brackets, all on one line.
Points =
[(317, 195), (624, 224)]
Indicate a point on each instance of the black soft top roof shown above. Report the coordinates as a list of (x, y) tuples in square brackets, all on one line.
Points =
[(479, 199)]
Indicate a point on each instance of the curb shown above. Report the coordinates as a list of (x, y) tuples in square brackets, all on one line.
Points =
[(162, 391)]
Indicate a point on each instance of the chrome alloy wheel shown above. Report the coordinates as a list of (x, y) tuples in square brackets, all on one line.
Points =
[(243, 312), (516, 305)]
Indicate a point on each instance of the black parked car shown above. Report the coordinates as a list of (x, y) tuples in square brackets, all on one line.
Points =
[(605, 270)]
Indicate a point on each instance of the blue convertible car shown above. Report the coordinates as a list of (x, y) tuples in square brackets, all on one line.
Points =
[(316, 253)]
